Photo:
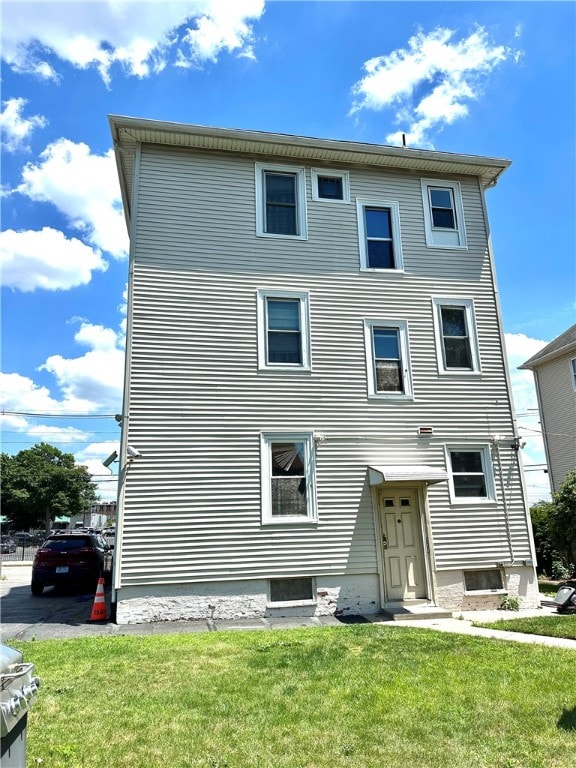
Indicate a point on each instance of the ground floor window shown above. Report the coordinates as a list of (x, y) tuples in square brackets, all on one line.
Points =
[(291, 590), (484, 580), (288, 477)]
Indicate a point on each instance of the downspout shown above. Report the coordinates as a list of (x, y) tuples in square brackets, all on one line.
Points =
[(124, 464)]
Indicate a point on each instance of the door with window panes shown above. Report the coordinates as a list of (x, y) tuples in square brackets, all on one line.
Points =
[(402, 550)]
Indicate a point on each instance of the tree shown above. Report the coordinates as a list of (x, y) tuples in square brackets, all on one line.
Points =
[(42, 483), (546, 555), (562, 521)]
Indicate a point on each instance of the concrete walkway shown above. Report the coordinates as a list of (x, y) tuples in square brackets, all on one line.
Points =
[(66, 616)]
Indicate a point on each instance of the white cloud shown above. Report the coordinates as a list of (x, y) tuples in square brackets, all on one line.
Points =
[(142, 37), (429, 83), (103, 477), (16, 129), (84, 187), (519, 349), (46, 259), (97, 376)]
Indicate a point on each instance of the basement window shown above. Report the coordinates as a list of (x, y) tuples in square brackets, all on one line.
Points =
[(489, 580), (300, 590)]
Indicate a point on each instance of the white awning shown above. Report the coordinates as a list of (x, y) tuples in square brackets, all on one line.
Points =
[(419, 473)]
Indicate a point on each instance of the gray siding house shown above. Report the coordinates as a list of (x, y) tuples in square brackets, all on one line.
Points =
[(554, 369), (317, 414)]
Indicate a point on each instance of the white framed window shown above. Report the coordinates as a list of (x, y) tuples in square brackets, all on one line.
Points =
[(280, 201), (330, 186), (456, 338), (288, 477), (283, 330), (573, 372), (379, 235), (292, 591), (470, 475), (387, 358), (443, 214), (484, 580)]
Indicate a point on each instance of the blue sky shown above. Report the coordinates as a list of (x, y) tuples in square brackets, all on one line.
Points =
[(491, 78)]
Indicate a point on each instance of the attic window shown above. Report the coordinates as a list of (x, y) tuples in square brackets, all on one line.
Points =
[(330, 186)]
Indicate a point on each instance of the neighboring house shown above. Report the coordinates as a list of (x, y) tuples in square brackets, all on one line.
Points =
[(554, 369), (317, 414)]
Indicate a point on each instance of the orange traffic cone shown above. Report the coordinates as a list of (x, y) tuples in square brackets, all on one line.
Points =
[(99, 607)]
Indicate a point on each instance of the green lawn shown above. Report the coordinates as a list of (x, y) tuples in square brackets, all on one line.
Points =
[(356, 697), (553, 626)]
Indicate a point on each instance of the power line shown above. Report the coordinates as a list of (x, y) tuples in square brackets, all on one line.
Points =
[(55, 415)]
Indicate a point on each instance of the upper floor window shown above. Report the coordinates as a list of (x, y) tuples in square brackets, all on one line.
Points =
[(470, 473), (573, 372), (283, 330), (387, 358), (379, 234), (280, 201), (333, 186), (288, 477), (443, 214), (456, 345)]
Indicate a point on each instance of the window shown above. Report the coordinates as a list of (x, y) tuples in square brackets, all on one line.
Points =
[(470, 473), (288, 481), (298, 590), (283, 330), (489, 580), (331, 186), (443, 214), (573, 372), (379, 235), (280, 201), (387, 358), (456, 344)]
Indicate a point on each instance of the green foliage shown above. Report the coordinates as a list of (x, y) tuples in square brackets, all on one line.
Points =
[(545, 552), (510, 603), (41, 483), (548, 626), (562, 520)]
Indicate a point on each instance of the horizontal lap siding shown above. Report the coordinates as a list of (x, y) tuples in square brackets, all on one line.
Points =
[(198, 401), (558, 400)]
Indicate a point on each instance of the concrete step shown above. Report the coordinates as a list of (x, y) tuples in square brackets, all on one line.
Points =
[(413, 609)]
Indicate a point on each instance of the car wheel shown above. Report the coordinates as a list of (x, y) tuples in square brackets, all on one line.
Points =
[(37, 588)]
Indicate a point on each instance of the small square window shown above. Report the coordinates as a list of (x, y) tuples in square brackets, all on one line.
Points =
[(297, 590), (443, 214), (330, 186), (379, 235)]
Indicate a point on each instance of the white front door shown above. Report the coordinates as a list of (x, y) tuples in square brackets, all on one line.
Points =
[(403, 554)]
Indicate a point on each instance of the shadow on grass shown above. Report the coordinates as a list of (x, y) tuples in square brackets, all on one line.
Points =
[(567, 720)]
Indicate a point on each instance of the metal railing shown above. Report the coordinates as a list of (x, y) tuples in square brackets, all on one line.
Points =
[(23, 553)]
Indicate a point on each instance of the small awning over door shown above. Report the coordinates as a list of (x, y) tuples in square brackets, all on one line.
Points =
[(419, 473)]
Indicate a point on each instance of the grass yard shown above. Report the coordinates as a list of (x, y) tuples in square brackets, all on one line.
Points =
[(553, 626), (363, 696)]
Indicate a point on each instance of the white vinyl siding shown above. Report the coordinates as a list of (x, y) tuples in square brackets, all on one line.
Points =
[(443, 214), (198, 401)]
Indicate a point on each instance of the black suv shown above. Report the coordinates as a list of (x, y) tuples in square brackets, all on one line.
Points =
[(70, 559)]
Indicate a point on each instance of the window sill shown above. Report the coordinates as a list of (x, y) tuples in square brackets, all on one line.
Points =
[(470, 500), (447, 247), (275, 236), (300, 369), (458, 373), (481, 592), (291, 603), (386, 272), (308, 522), (391, 398)]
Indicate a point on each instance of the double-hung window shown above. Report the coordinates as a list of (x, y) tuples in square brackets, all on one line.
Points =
[(379, 235), (387, 358), (280, 201), (443, 214), (288, 477), (470, 473), (456, 344), (283, 330)]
